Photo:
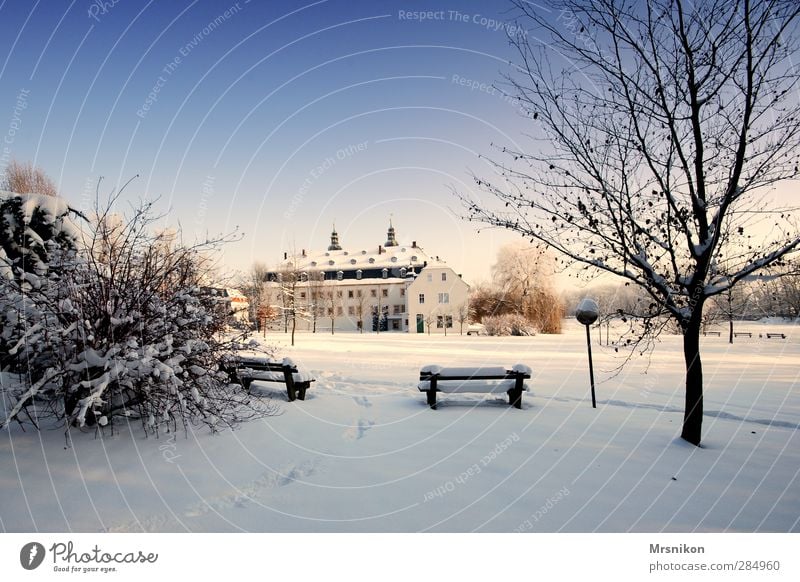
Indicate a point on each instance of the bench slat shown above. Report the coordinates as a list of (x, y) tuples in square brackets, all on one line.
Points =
[(458, 387)]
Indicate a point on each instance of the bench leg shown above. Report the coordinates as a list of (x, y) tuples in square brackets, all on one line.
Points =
[(431, 398), (515, 398), (291, 392), (301, 390)]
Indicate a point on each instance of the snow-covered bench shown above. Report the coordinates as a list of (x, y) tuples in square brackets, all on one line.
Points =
[(245, 369), (483, 380)]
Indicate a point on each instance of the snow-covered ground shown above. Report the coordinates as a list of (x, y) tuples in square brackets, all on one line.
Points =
[(365, 453)]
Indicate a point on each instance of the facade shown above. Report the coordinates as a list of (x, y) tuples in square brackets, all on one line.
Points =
[(394, 287)]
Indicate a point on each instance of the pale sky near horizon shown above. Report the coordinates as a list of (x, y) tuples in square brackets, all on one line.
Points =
[(279, 118)]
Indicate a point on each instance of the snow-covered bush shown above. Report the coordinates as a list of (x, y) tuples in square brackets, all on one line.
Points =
[(508, 324), (111, 320)]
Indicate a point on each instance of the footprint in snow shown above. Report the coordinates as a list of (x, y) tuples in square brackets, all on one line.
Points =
[(242, 496), (358, 431), (362, 401)]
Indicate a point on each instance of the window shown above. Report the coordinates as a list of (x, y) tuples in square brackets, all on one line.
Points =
[(403, 271), (302, 295), (385, 292), (398, 309), (444, 276), (350, 294), (351, 310), (358, 275), (448, 321), (421, 298), (385, 273), (439, 322), (402, 292), (360, 293), (340, 275), (339, 294), (373, 292), (340, 312), (444, 297)]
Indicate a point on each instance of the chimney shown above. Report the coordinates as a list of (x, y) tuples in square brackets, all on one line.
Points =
[(304, 252), (380, 249), (285, 256), (459, 276), (413, 244)]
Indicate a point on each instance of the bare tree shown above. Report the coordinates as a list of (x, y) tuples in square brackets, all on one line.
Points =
[(523, 274), (429, 319), (729, 306), (333, 303), (253, 285), (315, 297), (25, 178), (361, 308), (662, 125), (462, 314), (292, 305)]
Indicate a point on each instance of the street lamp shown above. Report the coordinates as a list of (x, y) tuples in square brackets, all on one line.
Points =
[(587, 313)]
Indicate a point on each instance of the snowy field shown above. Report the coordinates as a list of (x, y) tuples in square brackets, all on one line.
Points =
[(365, 453)]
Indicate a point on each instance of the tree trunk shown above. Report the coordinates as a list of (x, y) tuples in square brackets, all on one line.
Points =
[(693, 412), (294, 325), (730, 330)]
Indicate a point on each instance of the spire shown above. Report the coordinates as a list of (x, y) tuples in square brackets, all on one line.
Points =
[(391, 241), (334, 246)]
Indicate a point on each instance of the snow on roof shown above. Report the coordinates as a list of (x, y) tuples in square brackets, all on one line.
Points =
[(348, 260)]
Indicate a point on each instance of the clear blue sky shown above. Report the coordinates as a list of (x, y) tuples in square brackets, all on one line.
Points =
[(278, 117)]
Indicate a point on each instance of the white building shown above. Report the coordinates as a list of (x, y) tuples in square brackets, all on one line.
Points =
[(393, 287)]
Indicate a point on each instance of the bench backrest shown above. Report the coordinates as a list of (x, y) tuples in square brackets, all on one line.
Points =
[(486, 373)]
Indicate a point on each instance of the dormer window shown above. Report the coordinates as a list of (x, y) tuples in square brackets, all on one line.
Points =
[(403, 271), (385, 273), (331, 262), (303, 276), (394, 259), (371, 260), (414, 258), (353, 261), (313, 263), (359, 273), (339, 275)]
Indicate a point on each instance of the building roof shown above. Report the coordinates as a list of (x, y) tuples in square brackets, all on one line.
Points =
[(349, 260)]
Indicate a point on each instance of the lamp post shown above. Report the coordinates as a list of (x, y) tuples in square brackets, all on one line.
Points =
[(587, 313)]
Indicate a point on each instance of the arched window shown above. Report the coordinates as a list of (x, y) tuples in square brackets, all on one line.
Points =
[(385, 273), (359, 273)]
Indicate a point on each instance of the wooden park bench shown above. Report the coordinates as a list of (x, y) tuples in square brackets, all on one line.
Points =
[(483, 380), (742, 333), (773, 335), (716, 333), (246, 369)]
